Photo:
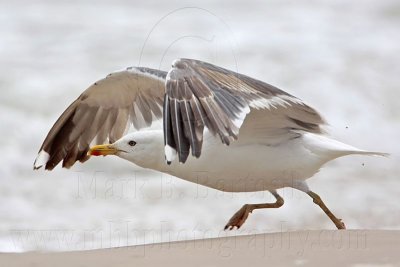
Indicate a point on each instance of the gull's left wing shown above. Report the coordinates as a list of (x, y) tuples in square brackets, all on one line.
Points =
[(199, 94)]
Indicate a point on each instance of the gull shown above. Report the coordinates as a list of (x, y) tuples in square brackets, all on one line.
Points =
[(239, 133)]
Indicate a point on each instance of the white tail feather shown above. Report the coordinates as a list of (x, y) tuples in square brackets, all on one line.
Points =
[(324, 145), (369, 153)]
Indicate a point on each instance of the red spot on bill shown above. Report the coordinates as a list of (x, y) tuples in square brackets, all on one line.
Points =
[(95, 153)]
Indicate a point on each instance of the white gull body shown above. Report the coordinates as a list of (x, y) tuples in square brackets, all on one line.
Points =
[(240, 167)]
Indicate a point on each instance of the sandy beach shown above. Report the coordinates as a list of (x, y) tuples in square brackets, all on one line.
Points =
[(300, 248)]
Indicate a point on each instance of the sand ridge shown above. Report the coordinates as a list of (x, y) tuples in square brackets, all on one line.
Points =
[(298, 248)]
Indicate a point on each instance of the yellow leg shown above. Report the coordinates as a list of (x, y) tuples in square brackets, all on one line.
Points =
[(241, 215), (317, 200)]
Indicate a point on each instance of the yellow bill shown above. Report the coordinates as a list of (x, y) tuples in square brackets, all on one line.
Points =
[(102, 150)]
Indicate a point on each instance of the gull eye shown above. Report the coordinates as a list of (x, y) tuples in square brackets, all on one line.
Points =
[(131, 143)]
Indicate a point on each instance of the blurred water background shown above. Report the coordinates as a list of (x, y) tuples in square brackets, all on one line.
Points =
[(342, 57)]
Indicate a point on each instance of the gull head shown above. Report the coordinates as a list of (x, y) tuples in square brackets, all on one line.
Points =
[(144, 148)]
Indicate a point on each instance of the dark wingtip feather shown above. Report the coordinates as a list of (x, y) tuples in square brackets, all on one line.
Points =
[(37, 168)]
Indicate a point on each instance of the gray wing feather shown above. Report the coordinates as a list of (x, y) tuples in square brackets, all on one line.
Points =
[(103, 113), (219, 99)]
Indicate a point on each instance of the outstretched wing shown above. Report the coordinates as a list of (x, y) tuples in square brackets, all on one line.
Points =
[(102, 113), (200, 94)]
